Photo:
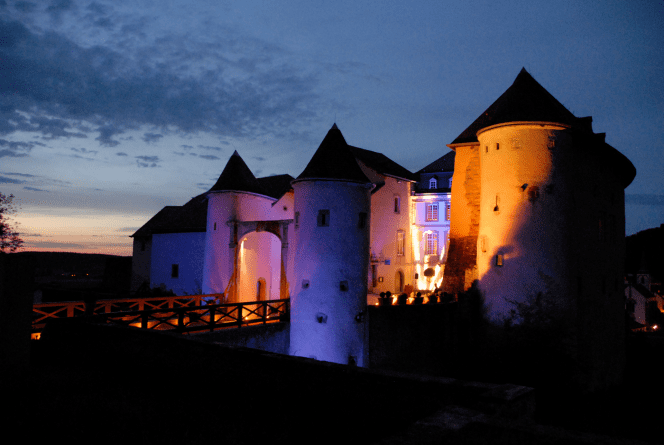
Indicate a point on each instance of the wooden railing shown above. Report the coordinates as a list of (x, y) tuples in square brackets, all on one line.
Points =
[(152, 307), (201, 318)]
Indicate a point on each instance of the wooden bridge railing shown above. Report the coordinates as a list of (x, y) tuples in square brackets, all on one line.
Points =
[(202, 318), (41, 313)]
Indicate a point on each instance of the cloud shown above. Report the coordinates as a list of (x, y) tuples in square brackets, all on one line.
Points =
[(121, 153), (34, 189), (259, 158), (16, 149), (147, 161), (128, 229), (85, 151), (152, 137), (645, 199), (53, 244), (5, 180), (58, 88), (209, 157), (24, 175)]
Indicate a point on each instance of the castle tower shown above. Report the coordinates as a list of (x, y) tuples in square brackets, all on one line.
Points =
[(329, 292), (541, 196), (236, 196)]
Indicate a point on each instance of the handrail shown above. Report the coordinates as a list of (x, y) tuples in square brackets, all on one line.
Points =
[(202, 318), (42, 312)]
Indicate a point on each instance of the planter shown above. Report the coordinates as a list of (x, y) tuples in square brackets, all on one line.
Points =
[(402, 299)]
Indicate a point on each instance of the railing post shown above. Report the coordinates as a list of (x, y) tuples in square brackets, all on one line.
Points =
[(239, 315), (144, 320), (213, 322), (180, 319), (264, 305)]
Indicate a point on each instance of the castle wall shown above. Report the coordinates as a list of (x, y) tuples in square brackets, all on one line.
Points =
[(387, 219), (523, 245), (329, 291), (222, 239), (140, 262), (186, 252), (461, 266)]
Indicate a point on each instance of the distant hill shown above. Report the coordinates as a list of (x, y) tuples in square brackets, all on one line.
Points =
[(644, 249), (57, 272)]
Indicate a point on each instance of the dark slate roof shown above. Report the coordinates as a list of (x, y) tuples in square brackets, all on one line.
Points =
[(526, 100), (191, 217), (333, 160), (237, 177), (443, 164), (276, 186), (382, 164)]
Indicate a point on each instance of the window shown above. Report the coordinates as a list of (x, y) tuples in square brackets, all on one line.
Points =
[(499, 260), (450, 182), (175, 270), (297, 219), (431, 243), (397, 204), (433, 183), (448, 211), (362, 222), (323, 218), (432, 212), (215, 226), (497, 146), (401, 243)]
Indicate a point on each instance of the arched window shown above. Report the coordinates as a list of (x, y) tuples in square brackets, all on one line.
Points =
[(433, 183)]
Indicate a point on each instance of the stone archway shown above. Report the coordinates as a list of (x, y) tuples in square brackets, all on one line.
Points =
[(259, 250)]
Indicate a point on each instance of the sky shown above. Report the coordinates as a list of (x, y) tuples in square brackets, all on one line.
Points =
[(111, 110)]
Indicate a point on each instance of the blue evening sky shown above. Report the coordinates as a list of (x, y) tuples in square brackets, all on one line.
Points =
[(110, 110)]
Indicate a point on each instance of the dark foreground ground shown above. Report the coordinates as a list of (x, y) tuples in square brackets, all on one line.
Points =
[(99, 384)]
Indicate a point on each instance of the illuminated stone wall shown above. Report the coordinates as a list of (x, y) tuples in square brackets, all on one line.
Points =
[(329, 291), (461, 266)]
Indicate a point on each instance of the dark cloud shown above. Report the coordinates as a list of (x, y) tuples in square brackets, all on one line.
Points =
[(646, 200), (121, 153), (6, 180), (152, 137), (259, 158), (54, 244), (34, 189), (85, 151), (16, 149), (52, 86), (209, 157), (24, 175), (147, 161), (187, 147), (178, 153)]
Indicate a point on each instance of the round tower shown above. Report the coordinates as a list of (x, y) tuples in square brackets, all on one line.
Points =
[(329, 298)]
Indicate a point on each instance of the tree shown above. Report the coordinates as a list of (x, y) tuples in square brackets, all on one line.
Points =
[(9, 239)]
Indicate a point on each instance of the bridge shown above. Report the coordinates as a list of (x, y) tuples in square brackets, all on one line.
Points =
[(183, 314)]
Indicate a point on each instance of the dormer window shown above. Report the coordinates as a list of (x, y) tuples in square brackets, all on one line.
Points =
[(450, 182), (433, 183)]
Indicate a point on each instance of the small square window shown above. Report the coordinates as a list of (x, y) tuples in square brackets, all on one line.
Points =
[(499, 260), (323, 218), (362, 221)]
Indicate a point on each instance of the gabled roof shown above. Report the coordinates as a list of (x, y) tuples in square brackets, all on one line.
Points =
[(382, 164), (524, 101), (333, 160), (191, 217), (276, 186), (237, 177), (443, 164)]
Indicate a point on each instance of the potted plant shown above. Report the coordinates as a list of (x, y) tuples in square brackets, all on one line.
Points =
[(386, 298), (419, 299), (402, 299)]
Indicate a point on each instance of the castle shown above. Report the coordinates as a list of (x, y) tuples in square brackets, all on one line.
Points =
[(530, 201)]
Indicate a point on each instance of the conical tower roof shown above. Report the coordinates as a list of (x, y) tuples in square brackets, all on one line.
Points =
[(524, 101), (333, 160), (237, 177)]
